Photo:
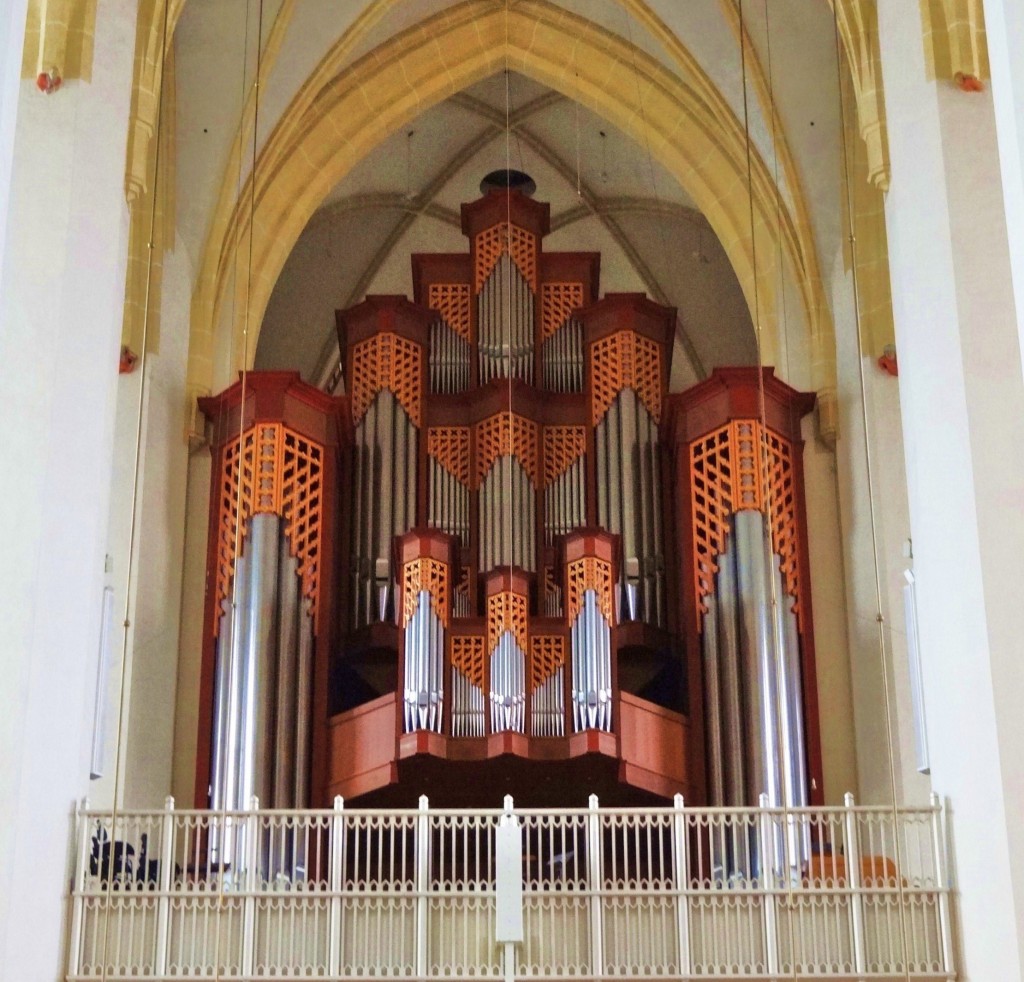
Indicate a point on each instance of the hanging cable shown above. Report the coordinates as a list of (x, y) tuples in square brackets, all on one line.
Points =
[(883, 658), (112, 859), (508, 613), (767, 531), (221, 818)]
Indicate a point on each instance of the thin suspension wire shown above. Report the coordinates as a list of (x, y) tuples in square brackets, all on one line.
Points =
[(869, 474), (691, 352), (767, 530), (134, 511), (507, 515), (222, 818)]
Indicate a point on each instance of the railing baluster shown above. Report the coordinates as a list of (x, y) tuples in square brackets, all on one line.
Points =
[(78, 905), (942, 884), (336, 883), (595, 879), (853, 884), (422, 884), (163, 914), (250, 883), (682, 880), (766, 858)]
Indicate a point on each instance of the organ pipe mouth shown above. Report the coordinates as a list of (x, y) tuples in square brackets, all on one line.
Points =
[(507, 179)]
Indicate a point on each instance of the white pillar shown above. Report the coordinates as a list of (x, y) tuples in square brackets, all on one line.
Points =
[(962, 397), (61, 300), (1004, 30), (12, 41)]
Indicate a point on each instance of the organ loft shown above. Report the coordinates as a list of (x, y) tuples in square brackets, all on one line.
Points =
[(507, 558)]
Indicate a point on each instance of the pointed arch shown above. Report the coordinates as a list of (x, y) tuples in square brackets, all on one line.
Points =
[(328, 129)]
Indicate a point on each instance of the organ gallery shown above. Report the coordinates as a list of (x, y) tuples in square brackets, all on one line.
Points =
[(505, 557)]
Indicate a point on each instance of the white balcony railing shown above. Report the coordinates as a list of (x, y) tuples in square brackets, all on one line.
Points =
[(639, 893)]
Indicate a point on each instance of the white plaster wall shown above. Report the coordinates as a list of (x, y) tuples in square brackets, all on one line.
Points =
[(881, 778), (157, 571), (828, 602), (60, 304)]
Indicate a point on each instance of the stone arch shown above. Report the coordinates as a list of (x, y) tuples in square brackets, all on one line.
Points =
[(337, 118)]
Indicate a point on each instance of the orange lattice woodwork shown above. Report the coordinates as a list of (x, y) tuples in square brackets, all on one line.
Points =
[(589, 573), (557, 302), (270, 469), (467, 655), (430, 575), (452, 301), (503, 434), (504, 237), (624, 360), (547, 656), (742, 465), (449, 446), (387, 361), (507, 611), (563, 446)]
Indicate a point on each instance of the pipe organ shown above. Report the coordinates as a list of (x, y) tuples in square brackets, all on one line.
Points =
[(541, 554), (270, 575), (746, 606)]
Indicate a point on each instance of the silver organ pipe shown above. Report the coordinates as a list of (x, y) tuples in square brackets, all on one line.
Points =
[(628, 495), (562, 355), (449, 359), (384, 461), (508, 685), (753, 696), (591, 667), (547, 712), (263, 681), (564, 503), (505, 543), (505, 315), (712, 709), (424, 666), (448, 508), (287, 680), (303, 700), (725, 604), (468, 707), (759, 659)]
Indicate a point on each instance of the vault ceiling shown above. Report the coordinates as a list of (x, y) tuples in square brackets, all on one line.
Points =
[(607, 191)]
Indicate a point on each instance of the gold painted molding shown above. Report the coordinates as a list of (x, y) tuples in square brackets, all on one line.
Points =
[(342, 113), (858, 33), (59, 38), (955, 42)]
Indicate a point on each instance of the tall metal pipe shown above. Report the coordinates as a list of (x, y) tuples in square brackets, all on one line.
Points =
[(713, 709), (764, 776), (287, 663), (304, 704)]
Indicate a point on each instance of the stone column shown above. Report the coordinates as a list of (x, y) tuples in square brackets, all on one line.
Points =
[(962, 398), (61, 301)]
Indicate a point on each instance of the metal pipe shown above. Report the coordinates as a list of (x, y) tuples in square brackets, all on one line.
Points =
[(712, 708), (303, 704), (726, 603), (285, 701), (763, 775), (220, 754)]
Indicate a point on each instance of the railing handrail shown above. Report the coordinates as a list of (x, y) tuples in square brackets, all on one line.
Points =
[(885, 811)]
